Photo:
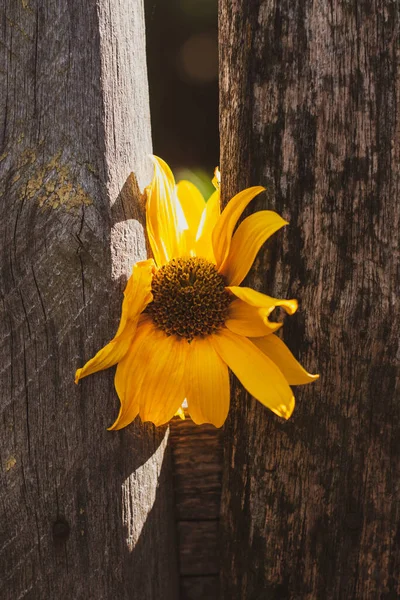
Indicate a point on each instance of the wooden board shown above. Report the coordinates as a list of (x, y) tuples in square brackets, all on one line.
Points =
[(196, 465), (309, 108), (85, 513)]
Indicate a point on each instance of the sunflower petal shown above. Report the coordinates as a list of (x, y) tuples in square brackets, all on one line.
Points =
[(209, 217), (165, 220), (222, 234), (277, 351), (249, 314), (162, 391), (216, 180), (246, 242), (259, 299), (193, 205), (108, 356), (180, 413), (137, 296), (250, 321), (192, 202), (257, 373), (207, 384), (129, 376)]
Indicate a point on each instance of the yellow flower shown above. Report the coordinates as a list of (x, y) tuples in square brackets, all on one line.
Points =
[(184, 319)]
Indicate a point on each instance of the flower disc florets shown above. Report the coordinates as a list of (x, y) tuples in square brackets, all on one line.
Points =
[(189, 298)]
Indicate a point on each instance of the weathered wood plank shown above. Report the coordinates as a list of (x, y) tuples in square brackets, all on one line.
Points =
[(197, 466), (198, 548), (310, 109), (85, 513)]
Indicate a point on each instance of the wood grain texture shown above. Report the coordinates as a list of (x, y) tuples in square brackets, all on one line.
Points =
[(198, 547), (85, 513), (309, 106), (196, 467)]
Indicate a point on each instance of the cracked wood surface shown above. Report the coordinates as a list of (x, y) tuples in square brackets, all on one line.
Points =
[(309, 107), (85, 513)]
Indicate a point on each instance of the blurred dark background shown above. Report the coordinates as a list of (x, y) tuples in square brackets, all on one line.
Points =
[(182, 55)]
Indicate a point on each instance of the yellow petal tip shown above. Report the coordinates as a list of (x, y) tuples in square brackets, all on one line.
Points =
[(156, 160), (286, 411), (293, 306), (180, 413), (114, 426), (78, 375), (216, 180)]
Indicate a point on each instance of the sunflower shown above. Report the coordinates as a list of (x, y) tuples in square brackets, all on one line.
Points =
[(185, 320)]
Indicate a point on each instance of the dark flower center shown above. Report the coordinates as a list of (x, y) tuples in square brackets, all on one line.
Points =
[(189, 298)]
